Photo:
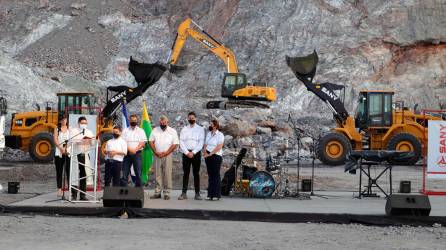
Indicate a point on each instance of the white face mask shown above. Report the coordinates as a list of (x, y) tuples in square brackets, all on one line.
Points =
[(83, 126)]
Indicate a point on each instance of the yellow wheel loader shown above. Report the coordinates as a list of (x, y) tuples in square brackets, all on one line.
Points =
[(33, 131), (378, 123)]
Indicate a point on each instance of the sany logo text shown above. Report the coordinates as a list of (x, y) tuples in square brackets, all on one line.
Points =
[(118, 96)]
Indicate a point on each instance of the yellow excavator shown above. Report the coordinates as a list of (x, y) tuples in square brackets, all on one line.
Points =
[(235, 87), (379, 124)]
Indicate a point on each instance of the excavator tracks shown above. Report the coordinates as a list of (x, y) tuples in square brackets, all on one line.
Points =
[(233, 104)]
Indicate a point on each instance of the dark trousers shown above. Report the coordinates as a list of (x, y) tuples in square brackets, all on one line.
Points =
[(195, 162), (112, 172), (60, 162), (213, 165), (82, 175), (129, 159)]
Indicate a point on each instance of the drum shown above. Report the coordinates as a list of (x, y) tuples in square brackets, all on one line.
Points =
[(262, 184)]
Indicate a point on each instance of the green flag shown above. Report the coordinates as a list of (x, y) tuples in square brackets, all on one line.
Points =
[(147, 153)]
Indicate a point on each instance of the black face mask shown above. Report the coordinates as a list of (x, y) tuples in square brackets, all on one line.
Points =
[(133, 124), (191, 122), (116, 135), (211, 128), (163, 127)]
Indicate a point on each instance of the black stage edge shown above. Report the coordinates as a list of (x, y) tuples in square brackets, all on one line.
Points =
[(372, 220)]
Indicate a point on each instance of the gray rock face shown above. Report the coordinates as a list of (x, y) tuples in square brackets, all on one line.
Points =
[(380, 44)]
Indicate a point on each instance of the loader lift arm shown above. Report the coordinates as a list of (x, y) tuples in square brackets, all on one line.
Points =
[(189, 28), (145, 74), (305, 68)]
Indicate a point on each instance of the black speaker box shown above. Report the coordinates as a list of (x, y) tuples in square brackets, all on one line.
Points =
[(123, 197), (408, 205)]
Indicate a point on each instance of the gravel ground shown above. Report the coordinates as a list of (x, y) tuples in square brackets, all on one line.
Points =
[(40, 232)]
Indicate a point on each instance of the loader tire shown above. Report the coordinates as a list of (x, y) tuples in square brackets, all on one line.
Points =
[(405, 142), (104, 138), (332, 149), (41, 147)]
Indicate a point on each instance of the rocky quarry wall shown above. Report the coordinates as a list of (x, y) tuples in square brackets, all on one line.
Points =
[(53, 46)]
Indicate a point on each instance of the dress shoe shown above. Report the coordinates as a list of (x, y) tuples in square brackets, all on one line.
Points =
[(183, 196), (155, 196), (198, 197)]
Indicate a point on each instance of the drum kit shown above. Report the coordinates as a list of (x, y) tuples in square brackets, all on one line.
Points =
[(274, 181)]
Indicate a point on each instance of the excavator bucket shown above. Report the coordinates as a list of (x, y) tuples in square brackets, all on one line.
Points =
[(176, 68), (146, 73), (303, 67)]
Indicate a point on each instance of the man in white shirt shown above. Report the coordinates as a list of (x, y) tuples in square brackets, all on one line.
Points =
[(136, 140), (163, 141), (191, 143), (116, 149), (82, 141)]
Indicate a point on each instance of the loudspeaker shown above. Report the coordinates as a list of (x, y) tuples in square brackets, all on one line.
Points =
[(408, 205), (123, 197), (405, 187), (306, 185)]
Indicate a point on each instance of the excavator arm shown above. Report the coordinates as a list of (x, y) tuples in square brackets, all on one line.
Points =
[(305, 68), (145, 74), (189, 28)]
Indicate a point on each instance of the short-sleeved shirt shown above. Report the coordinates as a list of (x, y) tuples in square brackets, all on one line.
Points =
[(212, 140), (133, 136), (163, 139), (80, 146), (117, 145)]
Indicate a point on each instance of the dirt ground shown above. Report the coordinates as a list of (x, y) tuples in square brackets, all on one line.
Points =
[(41, 232), (21, 232)]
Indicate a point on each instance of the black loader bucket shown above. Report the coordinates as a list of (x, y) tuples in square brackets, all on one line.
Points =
[(303, 67), (146, 75)]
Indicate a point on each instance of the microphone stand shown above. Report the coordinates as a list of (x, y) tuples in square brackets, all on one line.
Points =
[(298, 133), (65, 145)]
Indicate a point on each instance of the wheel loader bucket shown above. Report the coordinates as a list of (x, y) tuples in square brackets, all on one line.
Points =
[(303, 67), (146, 73)]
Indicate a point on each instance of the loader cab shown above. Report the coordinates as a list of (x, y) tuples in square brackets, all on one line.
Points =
[(374, 109), (75, 103), (231, 83)]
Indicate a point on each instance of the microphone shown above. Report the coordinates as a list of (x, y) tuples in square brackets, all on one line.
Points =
[(83, 131)]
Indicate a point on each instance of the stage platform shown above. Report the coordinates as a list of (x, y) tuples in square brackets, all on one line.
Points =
[(326, 207)]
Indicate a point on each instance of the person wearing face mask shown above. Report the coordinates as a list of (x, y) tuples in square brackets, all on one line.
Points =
[(116, 149), (191, 144), (213, 152), (136, 140), (163, 141), (61, 157), (82, 144)]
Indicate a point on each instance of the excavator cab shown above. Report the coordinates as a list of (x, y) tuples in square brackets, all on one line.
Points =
[(231, 83), (374, 109)]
